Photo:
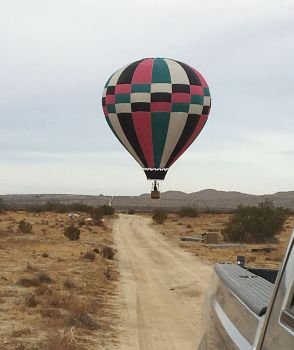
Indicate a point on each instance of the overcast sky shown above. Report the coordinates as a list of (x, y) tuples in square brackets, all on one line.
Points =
[(56, 55)]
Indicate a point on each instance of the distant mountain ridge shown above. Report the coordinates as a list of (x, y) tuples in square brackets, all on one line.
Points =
[(215, 199), (208, 198), (211, 194)]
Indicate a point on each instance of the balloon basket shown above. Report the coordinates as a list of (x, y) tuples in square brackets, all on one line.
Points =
[(155, 194)]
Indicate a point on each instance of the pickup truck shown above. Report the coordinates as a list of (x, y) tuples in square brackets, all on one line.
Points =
[(250, 308)]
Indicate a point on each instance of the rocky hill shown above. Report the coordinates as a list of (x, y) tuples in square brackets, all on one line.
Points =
[(205, 199)]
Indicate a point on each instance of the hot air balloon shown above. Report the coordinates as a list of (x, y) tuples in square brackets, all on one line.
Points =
[(156, 107)]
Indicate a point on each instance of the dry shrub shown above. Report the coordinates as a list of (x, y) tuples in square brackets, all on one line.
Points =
[(61, 340), (108, 253), (51, 313), (107, 273), (44, 278), (35, 281), (72, 233), (188, 212), (31, 300), (26, 282), (96, 250), (30, 268), (55, 300), (90, 256), (98, 222), (82, 319), (25, 227), (70, 310), (107, 210), (43, 289), (68, 284), (159, 216)]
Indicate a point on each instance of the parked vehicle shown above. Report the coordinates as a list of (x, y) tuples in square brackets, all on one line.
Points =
[(251, 308)]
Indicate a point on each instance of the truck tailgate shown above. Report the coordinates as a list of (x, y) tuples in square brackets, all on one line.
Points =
[(254, 291)]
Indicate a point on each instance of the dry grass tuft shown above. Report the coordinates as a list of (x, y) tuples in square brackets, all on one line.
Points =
[(62, 340)]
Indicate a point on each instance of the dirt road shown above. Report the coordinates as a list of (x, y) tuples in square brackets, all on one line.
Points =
[(162, 289)]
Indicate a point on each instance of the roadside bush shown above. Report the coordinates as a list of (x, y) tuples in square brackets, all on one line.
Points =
[(107, 210), (97, 213), (72, 233), (159, 216), (25, 227), (131, 212), (188, 212), (108, 253), (255, 223)]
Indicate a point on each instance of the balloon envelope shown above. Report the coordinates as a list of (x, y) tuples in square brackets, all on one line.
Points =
[(156, 107)]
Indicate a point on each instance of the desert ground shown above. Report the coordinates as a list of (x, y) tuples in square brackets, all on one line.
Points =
[(55, 293), (66, 295), (176, 227)]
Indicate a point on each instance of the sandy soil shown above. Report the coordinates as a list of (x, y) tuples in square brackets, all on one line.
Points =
[(71, 307), (162, 289)]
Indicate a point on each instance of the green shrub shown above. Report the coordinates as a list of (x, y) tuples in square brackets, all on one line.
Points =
[(72, 233), (97, 214), (107, 210), (188, 212), (159, 216), (25, 227), (255, 223), (131, 212)]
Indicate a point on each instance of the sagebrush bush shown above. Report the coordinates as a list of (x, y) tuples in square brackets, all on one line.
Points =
[(25, 227), (72, 233), (107, 210), (190, 212), (159, 216), (255, 223)]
